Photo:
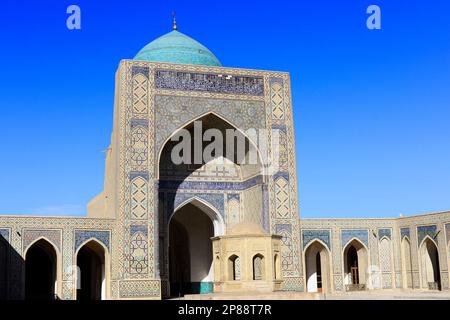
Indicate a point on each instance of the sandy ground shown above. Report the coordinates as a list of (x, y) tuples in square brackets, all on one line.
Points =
[(362, 295)]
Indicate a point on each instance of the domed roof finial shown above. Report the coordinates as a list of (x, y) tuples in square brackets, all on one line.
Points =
[(174, 14)]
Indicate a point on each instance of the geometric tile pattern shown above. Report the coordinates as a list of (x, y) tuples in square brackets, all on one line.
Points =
[(385, 261), (140, 94), (282, 197), (138, 250), (139, 148), (174, 112), (285, 231), (192, 185), (277, 99), (233, 214), (29, 236), (338, 283), (139, 289), (139, 191)]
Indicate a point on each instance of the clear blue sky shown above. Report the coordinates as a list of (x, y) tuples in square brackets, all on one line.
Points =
[(371, 108)]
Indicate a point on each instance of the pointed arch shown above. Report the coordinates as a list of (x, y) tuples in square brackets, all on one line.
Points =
[(429, 264), (55, 247), (234, 268), (92, 278), (355, 263), (210, 210), (318, 266), (317, 240), (252, 143), (258, 262), (42, 270), (190, 229), (357, 240)]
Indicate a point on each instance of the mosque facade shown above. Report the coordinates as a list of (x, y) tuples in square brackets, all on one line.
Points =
[(162, 229)]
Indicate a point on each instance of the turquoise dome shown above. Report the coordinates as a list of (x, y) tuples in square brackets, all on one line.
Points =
[(176, 47)]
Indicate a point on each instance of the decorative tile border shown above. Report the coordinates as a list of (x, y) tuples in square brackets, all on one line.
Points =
[(139, 289), (209, 185), (207, 82)]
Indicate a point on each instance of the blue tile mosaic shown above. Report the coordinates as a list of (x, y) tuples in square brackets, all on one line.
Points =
[(310, 235), (138, 228), (231, 196), (384, 233), (360, 234), (209, 185), (215, 199), (143, 174), (5, 234), (280, 127), (423, 231), (279, 228), (404, 232), (139, 122), (281, 174), (82, 235), (140, 70), (188, 81)]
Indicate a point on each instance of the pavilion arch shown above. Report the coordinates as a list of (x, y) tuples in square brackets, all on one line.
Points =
[(318, 266), (355, 262), (234, 268), (43, 272), (258, 267), (228, 122), (407, 269), (92, 274), (430, 275)]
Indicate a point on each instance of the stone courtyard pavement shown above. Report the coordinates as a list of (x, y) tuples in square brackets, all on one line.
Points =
[(362, 295)]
